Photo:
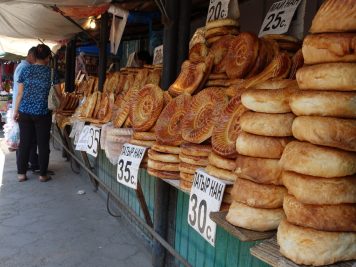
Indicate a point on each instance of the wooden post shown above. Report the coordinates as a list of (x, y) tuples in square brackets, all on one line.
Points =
[(70, 66), (104, 37)]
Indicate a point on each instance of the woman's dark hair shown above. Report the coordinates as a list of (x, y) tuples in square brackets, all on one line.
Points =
[(42, 51)]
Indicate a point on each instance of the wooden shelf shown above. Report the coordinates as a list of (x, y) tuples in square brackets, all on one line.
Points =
[(240, 233), (268, 252)]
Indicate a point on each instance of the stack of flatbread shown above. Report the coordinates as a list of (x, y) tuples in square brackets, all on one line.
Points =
[(320, 168)]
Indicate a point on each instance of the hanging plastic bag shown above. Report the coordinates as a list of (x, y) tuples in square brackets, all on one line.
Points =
[(12, 136)]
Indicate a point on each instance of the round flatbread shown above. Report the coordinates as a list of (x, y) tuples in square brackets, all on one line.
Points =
[(163, 157)]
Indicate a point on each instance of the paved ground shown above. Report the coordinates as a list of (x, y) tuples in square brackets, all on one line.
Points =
[(49, 224)]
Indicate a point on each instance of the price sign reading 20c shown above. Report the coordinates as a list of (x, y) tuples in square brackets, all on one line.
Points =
[(218, 9), (128, 164), (205, 197)]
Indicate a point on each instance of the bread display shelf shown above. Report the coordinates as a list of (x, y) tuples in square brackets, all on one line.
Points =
[(268, 252), (240, 233), (176, 184)]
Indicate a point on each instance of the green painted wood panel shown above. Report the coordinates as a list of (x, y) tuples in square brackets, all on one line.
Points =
[(228, 250)]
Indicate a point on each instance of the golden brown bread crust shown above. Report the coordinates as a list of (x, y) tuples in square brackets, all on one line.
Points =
[(320, 103), (162, 166), (335, 16), (312, 247), (258, 195), (297, 63), (163, 157), (221, 173), (254, 219), (329, 47), (221, 31), (326, 131), (199, 150), (336, 218), (163, 174), (277, 84), (194, 160), (318, 190), (309, 159), (219, 50), (259, 170), (166, 149), (261, 146), (328, 76), (198, 52), (147, 136), (220, 162), (267, 124), (221, 23), (141, 142), (267, 101), (186, 176), (185, 185), (188, 168)]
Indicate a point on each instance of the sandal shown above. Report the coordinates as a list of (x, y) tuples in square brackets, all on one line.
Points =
[(22, 178), (44, 179)]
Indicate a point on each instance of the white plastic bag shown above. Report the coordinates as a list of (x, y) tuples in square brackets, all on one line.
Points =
[(12, 135)]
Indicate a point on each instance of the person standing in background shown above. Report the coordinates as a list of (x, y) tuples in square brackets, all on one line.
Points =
[(30, 59), (32, 113)]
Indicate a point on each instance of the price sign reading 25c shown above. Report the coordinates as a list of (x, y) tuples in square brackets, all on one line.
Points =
[(129, 164), (205, 197), (218, 9), (93, 141)]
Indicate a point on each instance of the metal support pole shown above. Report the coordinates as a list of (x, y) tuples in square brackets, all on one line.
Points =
[(104, 37), (70, 66), (141, 198), (162, 195)]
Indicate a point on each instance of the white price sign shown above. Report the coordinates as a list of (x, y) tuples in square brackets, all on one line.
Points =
[(218, 9), (83, 139), (76, 128), (279, 17), (158, 55), (205, 196), (93, 141), (129, 164)]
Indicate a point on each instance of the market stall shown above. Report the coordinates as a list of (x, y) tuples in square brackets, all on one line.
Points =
[(236, 145)]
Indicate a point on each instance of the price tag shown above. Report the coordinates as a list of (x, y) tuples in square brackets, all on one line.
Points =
[(83, 139), (129, 164), (93, 141), (218, 9), (279, 17), (205, 196), (158, 55), (76, 129)]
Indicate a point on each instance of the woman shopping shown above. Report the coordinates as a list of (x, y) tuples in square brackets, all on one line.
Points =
[(32, 113)]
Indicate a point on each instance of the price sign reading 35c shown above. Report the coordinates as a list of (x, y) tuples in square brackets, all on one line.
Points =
[(279, 17), (205, 197), (93, 141), (129, 164), (218, 9)]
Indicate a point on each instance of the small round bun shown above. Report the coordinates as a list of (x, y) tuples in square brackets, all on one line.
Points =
[(267, 124), (258, 195), (309, 159), (261, 146), (325, 131), (335, 218), (319, 191), (254, 219), (323, 103), (312, 247), (328, 76), (259, 170)]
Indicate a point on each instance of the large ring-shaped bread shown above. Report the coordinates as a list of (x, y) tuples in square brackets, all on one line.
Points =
[(267, 101), (162, 166), (309, 159), (267, 124), (318, 190), (222, 163), (228, 128), (198, 52), (336, 218), (258, 195), (254, 219), (166, 149), (335, 16), (322, 103), (221, 173), (219, 50), (163, 157), (203, 113), (262, 58), (242, 55), (201, 161), (163, 174), (259, 170), (261, 146), (169, 124), (328, 76), (329, 47), (146, 107), (198, 150), (312, 247), (326, 131)]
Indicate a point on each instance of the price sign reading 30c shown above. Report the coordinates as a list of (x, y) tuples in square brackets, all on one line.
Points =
[(279, 17), (218, 9), (205, 196), (129, 164)]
